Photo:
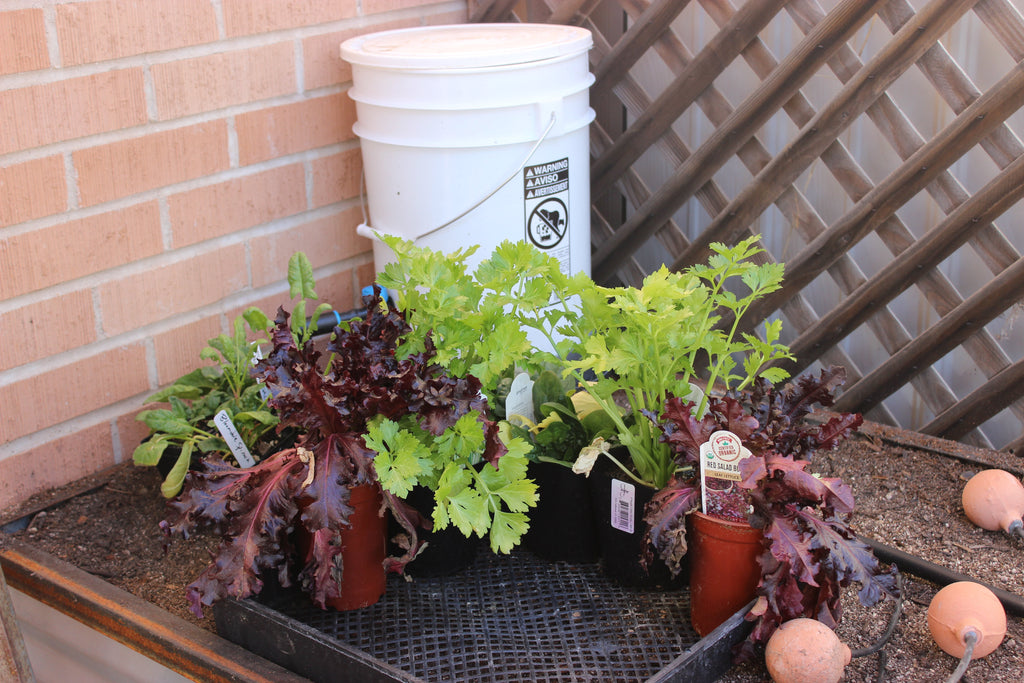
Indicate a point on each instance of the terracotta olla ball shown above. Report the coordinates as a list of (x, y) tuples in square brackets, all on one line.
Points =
[(994, 499), (806, 651), (962, 607)]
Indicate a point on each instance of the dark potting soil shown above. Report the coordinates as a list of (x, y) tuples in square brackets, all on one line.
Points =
[(907, 489)]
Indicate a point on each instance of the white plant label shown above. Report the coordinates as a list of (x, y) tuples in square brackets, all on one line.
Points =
[(623, 502), (520, 398), (234, 440), (720, 456), (257, 356)]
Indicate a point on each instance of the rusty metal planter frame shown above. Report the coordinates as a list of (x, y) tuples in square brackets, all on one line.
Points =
[(180, 646)]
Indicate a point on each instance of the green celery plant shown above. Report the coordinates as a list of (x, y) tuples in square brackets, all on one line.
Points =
[(476, 319), (472, 491), (630, 349), (646, 345)]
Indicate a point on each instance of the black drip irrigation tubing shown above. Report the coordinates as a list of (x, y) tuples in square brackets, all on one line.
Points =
[(880, 644), (924, 569)]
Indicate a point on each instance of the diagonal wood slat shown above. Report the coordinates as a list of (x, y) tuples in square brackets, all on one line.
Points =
[(936, 342), (625, 53), (697, 76), (928, 252), (784, 82), (973, 124), (857, 95), (858, 259)]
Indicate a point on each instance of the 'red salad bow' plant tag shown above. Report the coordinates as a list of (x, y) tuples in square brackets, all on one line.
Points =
[(720, 456)]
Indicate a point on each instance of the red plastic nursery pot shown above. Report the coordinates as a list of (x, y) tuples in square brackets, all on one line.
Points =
[(363, 550), (724, 571)]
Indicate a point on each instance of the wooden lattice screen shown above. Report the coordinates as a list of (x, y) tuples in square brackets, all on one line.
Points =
[(640, 121)]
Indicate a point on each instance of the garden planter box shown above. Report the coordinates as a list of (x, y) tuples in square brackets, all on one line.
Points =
[(162, 637), (507, 617), (906, 487)]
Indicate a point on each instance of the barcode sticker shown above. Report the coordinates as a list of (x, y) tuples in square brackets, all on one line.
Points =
[(234, 440), (623, 496)]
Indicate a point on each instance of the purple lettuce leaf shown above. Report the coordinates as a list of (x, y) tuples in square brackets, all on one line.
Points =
[(254, 509), (321, 576), (685, 433), (666, 515)]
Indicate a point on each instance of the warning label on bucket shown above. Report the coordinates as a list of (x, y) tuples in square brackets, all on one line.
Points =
[(546, 196)]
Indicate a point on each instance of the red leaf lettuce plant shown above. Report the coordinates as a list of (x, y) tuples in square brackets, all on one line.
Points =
[(810, 552), (344, 412)]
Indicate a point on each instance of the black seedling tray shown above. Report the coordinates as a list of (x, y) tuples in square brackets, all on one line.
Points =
[(506, 618)]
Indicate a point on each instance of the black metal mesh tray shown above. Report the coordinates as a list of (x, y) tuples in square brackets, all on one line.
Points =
[(506, 618)]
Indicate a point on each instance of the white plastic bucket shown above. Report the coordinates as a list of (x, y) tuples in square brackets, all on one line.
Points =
[(472, 134)]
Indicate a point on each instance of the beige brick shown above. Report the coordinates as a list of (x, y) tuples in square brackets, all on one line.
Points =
[(177, 351), (378, 6), (456, 17), (246, 17), (63, 252), (336, 177), (57, 395), (325, 240), (97, 31), (46, 328), (142, 298), (287, 129), (72, 108), (130, 432), (337, 290), (32, 189), (366, 275), (55, 463), (125, 167), (190, 86), (23, 41), (223, 208), (321, 54)]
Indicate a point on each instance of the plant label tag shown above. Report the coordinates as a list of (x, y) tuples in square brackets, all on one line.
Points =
[(719, 471), (623, 502), (520, 399), (257, 356), (234, 440)]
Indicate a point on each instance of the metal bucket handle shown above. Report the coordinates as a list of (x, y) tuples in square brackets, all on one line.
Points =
[(365, 230)]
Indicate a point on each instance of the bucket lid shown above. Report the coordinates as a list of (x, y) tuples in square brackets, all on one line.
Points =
[(465, 45)]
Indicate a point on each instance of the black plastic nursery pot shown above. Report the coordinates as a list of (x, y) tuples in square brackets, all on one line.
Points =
[(446, 551), (562, 524), (619, 505), (511, 617)]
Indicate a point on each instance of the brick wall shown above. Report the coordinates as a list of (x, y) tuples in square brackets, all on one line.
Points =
[(160, 160)]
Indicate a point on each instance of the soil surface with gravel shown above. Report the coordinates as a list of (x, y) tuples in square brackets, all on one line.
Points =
[(907, 488)]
